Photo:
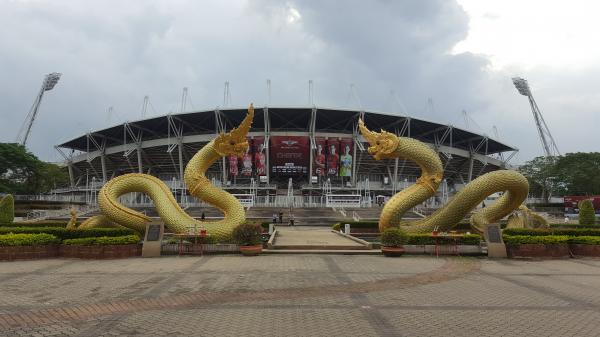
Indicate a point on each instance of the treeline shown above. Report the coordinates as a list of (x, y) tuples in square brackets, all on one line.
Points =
[(21, 172), (569, 174)]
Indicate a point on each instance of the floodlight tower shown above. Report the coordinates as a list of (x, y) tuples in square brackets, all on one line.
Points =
[(48, 84), (550, 148)]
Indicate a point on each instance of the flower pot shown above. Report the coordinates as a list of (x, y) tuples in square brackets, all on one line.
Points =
[(392, 251), (251, 250)]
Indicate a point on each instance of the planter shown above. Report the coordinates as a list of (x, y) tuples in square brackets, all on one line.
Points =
[(10, 253), (538, 250), (585, 250), (392, 251), (101, 252), (251, 250)]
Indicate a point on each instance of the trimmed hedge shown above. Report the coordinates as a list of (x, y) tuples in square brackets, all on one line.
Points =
[(41, 223), (547, 232), (428, 239), (585, 240), (529, 239), (104, 240), (572, 226), (28, 239), (63, 233)]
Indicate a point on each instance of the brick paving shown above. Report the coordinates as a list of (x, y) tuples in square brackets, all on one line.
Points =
[(300, 295)]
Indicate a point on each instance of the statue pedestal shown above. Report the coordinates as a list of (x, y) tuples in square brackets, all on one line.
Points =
[(495, 244), (152, 240)]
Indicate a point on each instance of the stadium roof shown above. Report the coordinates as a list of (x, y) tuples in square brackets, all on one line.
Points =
[(327, 120)]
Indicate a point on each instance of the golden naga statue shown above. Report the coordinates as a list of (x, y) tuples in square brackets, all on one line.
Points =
[(514, 185), (175, 219)]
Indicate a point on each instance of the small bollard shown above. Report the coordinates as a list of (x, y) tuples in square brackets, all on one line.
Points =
[(271, 228), (347, 228)]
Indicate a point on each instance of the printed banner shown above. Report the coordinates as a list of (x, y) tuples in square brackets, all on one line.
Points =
[(289, 155), (260, 159), (319, 160), (333, 157), (247, 160), (233, 166), (346, 157)]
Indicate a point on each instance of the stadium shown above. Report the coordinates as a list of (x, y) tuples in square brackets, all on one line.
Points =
[(298, 156)]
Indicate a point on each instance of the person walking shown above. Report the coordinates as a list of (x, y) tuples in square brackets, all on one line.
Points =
[(280, 217)]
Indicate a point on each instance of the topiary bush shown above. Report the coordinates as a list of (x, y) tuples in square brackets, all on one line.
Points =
[(587, 214), (428, 239), (104, 241), (546, 232), (7, 209), (393, 237), (247, 235), (28, 240)]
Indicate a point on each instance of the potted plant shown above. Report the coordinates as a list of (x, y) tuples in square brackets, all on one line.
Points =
[(392, 242), (248, 236)]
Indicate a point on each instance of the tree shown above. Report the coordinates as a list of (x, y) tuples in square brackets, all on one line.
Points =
[(541, 176), (21, 172), (579, 173), (587, 214)]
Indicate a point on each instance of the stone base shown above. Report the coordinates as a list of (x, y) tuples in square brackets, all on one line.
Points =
[(496, 250)]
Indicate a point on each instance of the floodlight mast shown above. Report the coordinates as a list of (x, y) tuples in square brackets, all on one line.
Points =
[(548, 143), (48, 84)]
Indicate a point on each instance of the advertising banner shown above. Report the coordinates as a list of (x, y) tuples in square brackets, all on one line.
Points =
[(247, 160), (346, 157), (260, 159), (233, 166), (289, 155), (319, 159), (333, 157)]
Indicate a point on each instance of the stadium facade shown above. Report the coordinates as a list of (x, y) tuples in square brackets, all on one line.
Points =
[(294, 152)]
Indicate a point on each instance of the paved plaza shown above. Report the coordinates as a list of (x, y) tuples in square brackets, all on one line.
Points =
[(300, 295)]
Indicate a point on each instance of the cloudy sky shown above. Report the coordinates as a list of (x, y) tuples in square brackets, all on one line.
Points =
[(459, 55)]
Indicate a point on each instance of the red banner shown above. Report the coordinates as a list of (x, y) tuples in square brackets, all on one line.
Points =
[(260, 159), (289, 155), (333, 157), (346, 157), (319, 159)]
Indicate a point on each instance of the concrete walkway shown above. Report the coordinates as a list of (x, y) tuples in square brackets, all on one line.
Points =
[(313, 238)]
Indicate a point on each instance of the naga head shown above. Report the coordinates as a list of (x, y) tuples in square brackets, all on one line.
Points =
[(382, 144), (234, 142)]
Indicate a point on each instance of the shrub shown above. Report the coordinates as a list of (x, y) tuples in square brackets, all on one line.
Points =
[(63, 233), (247, 235), (104, 240), (546, 232), (28, 239), (428, 239), (572, 226), (585, 240), (7, 209), (393, 237), (40, 223), (528, 239), (587, 214)]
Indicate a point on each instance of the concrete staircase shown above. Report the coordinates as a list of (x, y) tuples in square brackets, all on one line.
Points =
[(306, 239)]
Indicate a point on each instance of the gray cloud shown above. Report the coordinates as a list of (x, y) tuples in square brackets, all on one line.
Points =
[(112, 53)]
